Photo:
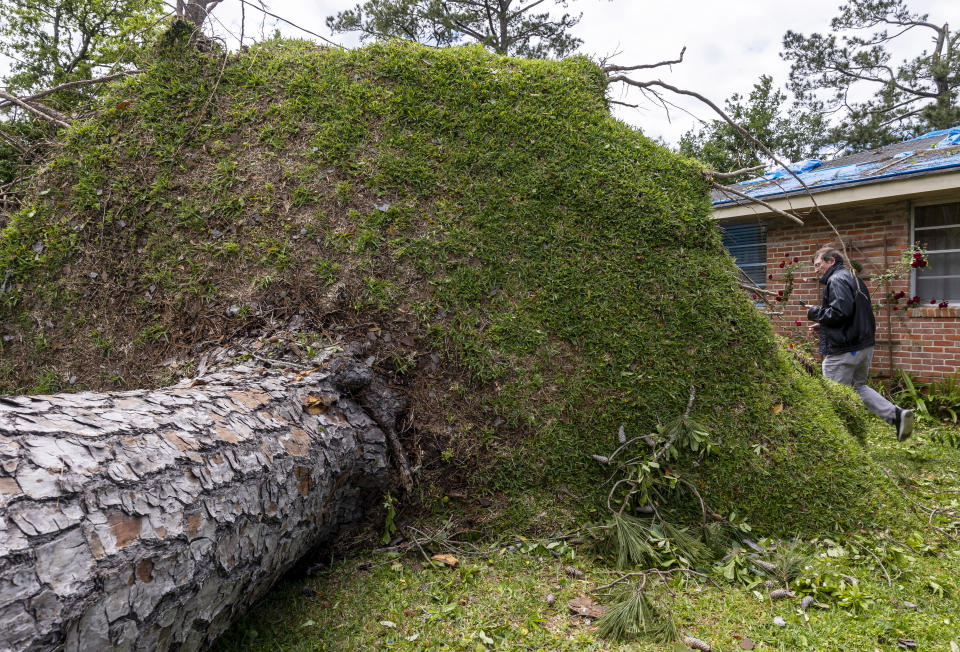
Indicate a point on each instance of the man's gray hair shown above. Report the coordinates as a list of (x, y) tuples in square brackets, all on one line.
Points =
[(828, 252)]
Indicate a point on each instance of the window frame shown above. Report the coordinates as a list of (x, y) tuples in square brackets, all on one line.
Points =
[(761, 242), (913, 238)]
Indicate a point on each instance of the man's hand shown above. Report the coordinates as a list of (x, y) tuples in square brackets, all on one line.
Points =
[(814, 328)]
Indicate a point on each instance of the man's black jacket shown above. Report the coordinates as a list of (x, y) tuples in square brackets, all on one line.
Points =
[(846, 315)]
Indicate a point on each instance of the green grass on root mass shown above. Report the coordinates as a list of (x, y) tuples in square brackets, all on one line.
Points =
[(564, 265)]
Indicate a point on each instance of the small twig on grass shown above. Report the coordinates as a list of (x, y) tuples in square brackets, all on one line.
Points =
[(879, 563), (423, 552), (658, 572), (922, 508)]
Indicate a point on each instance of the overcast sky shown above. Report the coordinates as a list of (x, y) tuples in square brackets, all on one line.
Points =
[(729, 44)]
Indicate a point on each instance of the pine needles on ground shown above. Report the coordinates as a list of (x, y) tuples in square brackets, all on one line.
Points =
[(636, 615), (632, 538)]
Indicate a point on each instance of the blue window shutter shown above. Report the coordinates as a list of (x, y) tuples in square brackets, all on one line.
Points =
[(747, 243)]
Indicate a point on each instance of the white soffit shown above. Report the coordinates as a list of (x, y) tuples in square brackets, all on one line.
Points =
[(906, 188)]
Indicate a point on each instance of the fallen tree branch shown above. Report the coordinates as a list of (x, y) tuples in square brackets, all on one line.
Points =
[(713, 174), (41, 111), (743, 132), (686, 415), (743, 195), (71, 85)]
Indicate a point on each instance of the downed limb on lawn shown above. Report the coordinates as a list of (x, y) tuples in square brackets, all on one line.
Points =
[(152, 519)]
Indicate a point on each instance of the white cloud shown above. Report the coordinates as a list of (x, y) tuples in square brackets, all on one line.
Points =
[(729, 44)]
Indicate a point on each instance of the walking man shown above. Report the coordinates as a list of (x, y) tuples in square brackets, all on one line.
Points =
[(846, 324)]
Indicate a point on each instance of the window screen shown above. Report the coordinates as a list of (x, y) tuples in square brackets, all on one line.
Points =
[(937, 229), (747, 243)]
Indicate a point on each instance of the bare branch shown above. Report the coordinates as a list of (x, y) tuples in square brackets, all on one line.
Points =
[(644, 66), (46, 113), (744, 195), (713, 174), (292, 24), (746, 134), (70, 85)]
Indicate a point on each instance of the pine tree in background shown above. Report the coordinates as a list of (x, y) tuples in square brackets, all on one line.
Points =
[(503, 26), (828, 71), (793, 135)]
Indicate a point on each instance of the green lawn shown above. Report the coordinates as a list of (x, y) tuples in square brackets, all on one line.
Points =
[(873, 588)]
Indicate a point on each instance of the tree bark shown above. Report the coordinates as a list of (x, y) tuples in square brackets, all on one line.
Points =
[(151, 519)]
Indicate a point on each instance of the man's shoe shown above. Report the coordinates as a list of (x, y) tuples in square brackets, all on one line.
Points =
[(904, 423)]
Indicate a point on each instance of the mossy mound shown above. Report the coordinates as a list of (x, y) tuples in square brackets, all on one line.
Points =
[(545, 273)]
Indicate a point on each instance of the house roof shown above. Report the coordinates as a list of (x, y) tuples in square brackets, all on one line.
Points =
[(934, 153)]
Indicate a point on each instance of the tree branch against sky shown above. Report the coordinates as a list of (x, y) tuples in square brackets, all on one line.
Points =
[(830, 72), (61, 45), (526, 28), (792, 134), (51, 42)]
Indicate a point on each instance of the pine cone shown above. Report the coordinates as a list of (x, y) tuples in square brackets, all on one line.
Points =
[(806, 602), (768, 566), (779, 594), (696, 644)]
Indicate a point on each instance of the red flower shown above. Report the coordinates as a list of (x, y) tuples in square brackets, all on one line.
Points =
[(797, 323), (782, 264), (915, 264), (933, 302), (944, 304), (917, 255), (896, 307), (796, 259), (916, 299), (923, 263), (769, 277), (780, 292), (754, 296)]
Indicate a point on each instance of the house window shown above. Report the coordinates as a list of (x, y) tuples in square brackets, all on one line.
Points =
[(937, 229), (747, 243)]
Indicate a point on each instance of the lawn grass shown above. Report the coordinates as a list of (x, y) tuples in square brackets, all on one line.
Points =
[(497, 596)]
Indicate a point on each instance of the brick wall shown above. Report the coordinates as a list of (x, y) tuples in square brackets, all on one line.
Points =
[(924, 341)]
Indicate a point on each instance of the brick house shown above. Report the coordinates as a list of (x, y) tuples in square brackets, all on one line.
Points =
[(880, 202)]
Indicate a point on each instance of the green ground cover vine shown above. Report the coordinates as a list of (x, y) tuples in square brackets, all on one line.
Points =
[(553, 264)]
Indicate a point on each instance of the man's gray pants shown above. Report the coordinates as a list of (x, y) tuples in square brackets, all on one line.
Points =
[(853, 369)]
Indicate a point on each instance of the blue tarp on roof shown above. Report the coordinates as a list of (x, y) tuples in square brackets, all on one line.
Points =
[(941, 154), (939, 132)]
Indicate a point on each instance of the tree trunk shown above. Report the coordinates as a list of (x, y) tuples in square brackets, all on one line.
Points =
[(152, 519)]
